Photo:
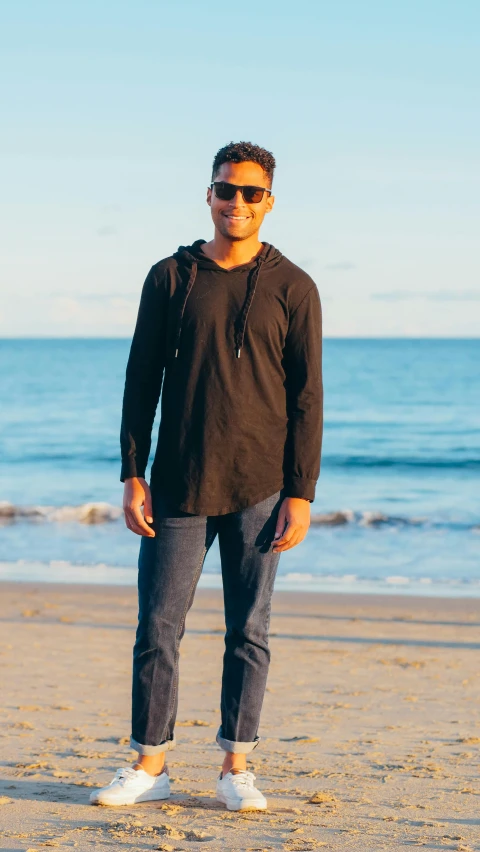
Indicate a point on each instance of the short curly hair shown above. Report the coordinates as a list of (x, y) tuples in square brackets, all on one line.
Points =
[(244, 152)]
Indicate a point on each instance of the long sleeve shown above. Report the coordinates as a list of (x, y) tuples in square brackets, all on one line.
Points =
[(304, 387), (144, 375)]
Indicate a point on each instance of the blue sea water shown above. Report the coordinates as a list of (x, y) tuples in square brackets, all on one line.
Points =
[(398, 499)]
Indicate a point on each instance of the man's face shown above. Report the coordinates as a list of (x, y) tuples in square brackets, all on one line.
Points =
[(235, 219)]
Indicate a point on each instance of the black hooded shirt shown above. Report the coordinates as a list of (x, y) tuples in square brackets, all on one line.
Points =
[(239, 353)]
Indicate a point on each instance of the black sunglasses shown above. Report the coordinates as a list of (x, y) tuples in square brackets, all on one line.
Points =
[(227, 191)]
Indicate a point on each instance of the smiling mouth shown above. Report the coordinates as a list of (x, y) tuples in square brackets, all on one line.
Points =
[(236, 218)]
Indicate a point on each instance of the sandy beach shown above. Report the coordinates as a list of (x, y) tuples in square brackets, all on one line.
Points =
[(370, 729)]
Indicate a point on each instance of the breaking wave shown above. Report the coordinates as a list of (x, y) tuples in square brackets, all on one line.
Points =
[(103, 513), (87, 513)]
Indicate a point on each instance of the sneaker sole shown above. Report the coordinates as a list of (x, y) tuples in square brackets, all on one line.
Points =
[(143, 797), (245, 805)]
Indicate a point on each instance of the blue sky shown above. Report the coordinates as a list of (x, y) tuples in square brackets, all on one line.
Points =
[(113, 112)]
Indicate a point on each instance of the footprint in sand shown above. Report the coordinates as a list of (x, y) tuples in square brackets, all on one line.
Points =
[(41, 764), (321, 798), (92, 755), (305, 739), (198, 837), (191, 836), (171, 809)]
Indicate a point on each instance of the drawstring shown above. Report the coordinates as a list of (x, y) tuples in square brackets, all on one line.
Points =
[(239, 336), (240, 333), (191, 282)]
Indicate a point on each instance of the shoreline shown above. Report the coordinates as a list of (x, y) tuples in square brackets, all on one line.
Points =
[(66, 574), (299, 597)]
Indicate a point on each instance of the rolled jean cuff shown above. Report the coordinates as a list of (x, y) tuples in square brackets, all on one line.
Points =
[(153, 749), (235, 747)]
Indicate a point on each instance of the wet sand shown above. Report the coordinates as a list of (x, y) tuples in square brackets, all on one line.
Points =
[(370, 729)]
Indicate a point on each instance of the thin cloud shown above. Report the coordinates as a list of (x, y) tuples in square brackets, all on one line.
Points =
[(307, 262), (454, 296), (106, 297), (107, 231), (428, 295), (110, 208), (342, 266), (133, 295)]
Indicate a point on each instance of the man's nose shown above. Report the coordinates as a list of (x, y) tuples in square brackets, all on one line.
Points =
[(237, 200)]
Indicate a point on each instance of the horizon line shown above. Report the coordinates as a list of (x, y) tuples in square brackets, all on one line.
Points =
[(325, 337)]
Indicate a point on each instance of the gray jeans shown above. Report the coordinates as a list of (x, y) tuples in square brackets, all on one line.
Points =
[(169, 569)]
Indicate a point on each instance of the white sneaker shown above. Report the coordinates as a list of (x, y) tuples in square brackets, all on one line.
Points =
[(239, 793), (130, 786)]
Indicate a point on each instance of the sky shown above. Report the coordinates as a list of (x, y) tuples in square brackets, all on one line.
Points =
[(113, 111)]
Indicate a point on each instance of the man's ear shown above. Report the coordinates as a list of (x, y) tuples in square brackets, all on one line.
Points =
[(270, 203), (209, 196)]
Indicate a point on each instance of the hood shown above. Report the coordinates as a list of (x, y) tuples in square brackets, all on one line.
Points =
[(193, 258)]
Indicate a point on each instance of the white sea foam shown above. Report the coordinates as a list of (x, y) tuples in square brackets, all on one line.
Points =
[(86, 513), (363, 519), (397, 581), (103, 513), (64, 571)]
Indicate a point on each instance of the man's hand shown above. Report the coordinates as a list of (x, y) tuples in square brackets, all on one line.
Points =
[(136, 493), (295, 513)]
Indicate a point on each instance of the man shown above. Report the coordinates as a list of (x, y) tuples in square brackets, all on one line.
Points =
[(233, 329)]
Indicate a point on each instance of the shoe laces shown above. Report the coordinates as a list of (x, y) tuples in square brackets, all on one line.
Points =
[(125, 774), (243, 778)]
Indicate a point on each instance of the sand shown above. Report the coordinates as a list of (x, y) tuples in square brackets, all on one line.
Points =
[(370, 729)]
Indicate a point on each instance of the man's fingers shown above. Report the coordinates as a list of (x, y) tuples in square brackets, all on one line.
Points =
[(280, 527), (136, 523), (290, 530), (292, 536), (138, 518), (129, 520), (292, 542)]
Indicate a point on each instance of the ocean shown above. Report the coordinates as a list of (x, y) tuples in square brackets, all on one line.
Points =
[(397, 506)]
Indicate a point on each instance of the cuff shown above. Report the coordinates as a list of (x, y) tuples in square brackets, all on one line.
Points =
[(298, 486), (236, 747), (130, 468), (149, 749)]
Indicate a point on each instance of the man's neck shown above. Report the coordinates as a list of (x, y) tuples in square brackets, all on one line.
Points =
[(231, 253)]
